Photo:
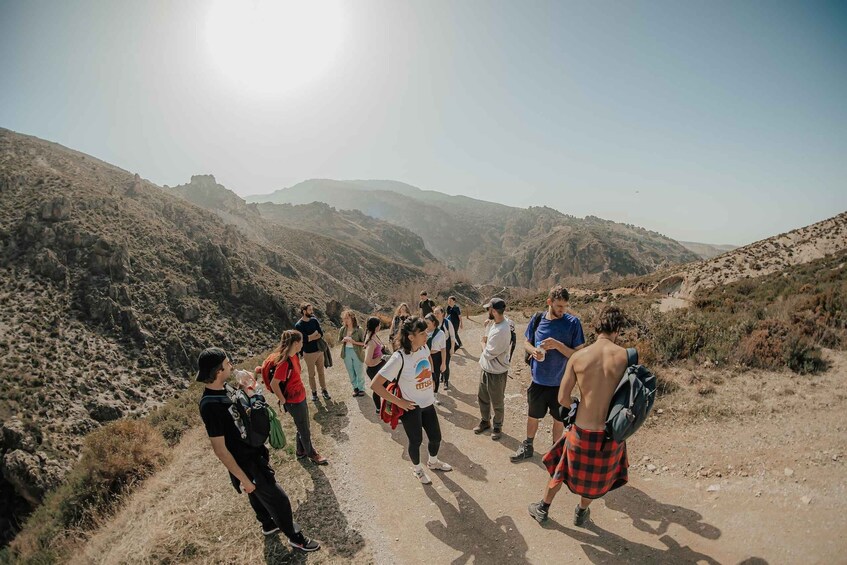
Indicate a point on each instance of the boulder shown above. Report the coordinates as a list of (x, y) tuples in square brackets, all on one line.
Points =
[(56, 210), (333, 311), (104, 409), (47, 264), (13, 435), (32, 474)]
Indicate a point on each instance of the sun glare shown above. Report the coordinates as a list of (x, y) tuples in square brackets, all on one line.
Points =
[(269, 47)]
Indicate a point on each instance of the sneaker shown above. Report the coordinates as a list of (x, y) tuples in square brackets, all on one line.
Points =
[(361, 392), (536, 510), (355, 392), (481, 427), (496, 433), (301, 454), (377, 410), (437, 402), (438, 465), (303, 543), (314, 396), (318, 459), (326, 395), (581, 515), (525, 451), (421, 476), (446, 385), (270, 530)]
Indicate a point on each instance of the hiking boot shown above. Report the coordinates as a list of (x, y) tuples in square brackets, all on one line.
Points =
[(496, 433), (438, 465), (270, 529), (301, 542), (318, 459), (481, 427), (421, 476), (581, 515), (314, 396), (326, 395), (525, 451), (536, 510)]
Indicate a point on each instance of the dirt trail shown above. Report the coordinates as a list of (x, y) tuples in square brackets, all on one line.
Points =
[(477, 513), (768, 488)]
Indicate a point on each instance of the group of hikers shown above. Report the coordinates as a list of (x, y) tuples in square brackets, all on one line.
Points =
[(406, 374)]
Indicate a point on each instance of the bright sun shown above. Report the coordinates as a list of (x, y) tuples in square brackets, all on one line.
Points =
[(270, 47)]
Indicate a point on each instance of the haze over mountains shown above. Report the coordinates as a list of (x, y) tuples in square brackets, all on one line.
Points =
[(495, 243)]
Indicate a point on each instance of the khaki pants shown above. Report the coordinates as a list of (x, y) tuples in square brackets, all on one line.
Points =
[(315, 361), (491, 394)]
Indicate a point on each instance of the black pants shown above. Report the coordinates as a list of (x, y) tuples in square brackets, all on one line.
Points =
[(445, 376), (300, 414), (371, 372), (269, 501), (415, 422), (436, 369), (456, 331)]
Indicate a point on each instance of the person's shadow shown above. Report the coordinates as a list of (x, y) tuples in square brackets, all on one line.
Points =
[(602, 546), (331, 416), (469, 530), (642, 508), (320, 517)]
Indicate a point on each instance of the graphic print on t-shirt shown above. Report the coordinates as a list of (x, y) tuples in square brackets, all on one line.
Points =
[(423, 374)]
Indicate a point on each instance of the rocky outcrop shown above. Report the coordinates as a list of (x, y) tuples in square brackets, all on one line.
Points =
[(47, 264), (32, 474)]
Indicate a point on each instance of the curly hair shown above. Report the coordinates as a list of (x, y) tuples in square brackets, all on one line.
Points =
[(352, 316), (559, 292), (409, 327), (610, 320)]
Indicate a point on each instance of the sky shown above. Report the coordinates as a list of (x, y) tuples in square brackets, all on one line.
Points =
[(719, 122)]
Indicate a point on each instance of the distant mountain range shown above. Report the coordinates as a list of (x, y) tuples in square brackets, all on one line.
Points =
[(706, 250), (495, 243)]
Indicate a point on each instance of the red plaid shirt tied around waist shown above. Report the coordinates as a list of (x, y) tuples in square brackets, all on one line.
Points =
[(588, 462)]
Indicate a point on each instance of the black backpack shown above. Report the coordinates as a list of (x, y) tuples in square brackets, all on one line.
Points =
[(533, 327), (632, 400), (249, 413)]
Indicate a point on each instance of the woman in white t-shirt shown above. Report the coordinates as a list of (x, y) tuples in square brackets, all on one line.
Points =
[(436, 340), (411, 367)]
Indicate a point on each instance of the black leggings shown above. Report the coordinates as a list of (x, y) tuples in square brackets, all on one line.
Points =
[(415, 422), (445, 376), (371, 372), (436, 369)]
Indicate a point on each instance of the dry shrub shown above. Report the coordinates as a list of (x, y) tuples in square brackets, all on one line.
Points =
[(113, 459), (384, 320), (764, 346), (178, 415)]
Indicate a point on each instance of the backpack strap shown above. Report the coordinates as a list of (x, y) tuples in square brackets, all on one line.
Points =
[(536, 320), (214, 400), (631, 357)]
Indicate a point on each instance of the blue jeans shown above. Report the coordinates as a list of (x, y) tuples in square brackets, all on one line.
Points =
[(354, 370)]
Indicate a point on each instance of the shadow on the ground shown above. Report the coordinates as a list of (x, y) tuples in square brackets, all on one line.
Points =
[(469, 530), (602, 546), (642, 508), (320, 517), (332, 417)]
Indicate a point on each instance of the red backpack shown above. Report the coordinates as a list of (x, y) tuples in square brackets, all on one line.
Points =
[(388, 411)]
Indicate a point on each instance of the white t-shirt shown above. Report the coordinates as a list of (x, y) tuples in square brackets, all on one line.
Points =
[(495, 355), (416, 379), (439, 342)]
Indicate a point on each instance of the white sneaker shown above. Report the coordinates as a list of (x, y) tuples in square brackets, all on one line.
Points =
[(439, 465), (421, 476), (437, 402)]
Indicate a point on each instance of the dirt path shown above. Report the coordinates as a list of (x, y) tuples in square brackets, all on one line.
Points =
[(477, 513), (738, 475)]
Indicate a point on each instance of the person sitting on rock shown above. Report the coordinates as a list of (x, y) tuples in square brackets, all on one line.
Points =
[(249, 470), (584, 458)]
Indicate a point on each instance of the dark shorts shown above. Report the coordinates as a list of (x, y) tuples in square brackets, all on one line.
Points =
[(543, 399)]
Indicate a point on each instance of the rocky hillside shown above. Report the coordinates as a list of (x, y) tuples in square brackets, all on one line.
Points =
[(771, 255), (499, 244), (110, 287)]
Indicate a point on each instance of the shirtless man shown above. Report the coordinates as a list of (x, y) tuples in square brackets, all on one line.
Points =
[(590, 464)]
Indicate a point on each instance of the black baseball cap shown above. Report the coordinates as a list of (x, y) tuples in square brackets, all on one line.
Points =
[(209, 360), (497, 303)]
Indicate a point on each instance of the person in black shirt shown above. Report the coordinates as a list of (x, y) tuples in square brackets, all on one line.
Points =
[(248, 466), (426, 305), (454, 314), (309, 326)]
